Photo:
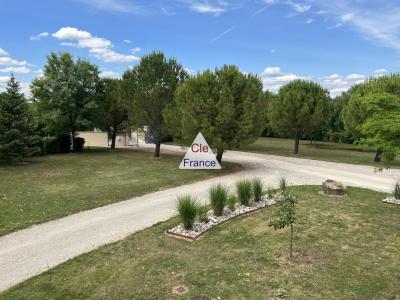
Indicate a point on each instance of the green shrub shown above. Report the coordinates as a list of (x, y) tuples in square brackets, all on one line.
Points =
[(283, 184), (64, 142), (231, 202), (202, 213), (257, 189), (218, 198), (187, 208), (244, 191), (396, 191), (79, 142)]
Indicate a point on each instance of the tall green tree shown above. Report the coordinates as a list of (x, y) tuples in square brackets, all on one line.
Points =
[(152, 84), (113, 110), (300, 110), (227, 106), (16, 128), (68, 93), (376, 98)]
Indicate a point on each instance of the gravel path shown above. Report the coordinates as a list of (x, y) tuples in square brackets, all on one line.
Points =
[(31, 251)]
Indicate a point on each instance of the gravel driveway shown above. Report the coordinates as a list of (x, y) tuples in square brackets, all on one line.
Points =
[(31, 251)]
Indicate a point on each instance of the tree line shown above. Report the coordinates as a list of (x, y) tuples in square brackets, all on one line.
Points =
[(229, 107)]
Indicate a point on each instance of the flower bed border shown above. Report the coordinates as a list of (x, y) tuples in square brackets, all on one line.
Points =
[(391, 200), (191, 239)]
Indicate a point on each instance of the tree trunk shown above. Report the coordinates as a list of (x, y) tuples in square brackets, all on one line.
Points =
[(378, 155), (113, 138), (296, 143), (291, 240), (157, 149), (73, 140), (220, 152)]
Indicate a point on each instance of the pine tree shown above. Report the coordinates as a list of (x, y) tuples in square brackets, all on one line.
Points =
[(15, 124)]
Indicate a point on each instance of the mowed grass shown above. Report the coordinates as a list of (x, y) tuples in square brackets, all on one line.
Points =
[(54, 186), (343, 249), (336, 152)]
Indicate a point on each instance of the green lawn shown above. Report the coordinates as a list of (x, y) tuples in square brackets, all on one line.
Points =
[(54, 186), (344, 249), (344, 153)]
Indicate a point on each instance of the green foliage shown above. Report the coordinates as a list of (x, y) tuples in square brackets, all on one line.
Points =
[(270, 192), (67, 94), (16, 127), (202, 213), (187, 209), (285, 214), (372, 115), (218, 198), (257, 186), (396, 191), (301, 109), (231, 202), (227, 106), (244, 191), (113, 110), (152, 84), (283, 184)]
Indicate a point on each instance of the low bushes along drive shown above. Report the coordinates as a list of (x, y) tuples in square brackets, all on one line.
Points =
[(244, 191)]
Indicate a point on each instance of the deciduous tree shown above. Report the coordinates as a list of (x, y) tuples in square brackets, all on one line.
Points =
[(152, 85), (68, 92)]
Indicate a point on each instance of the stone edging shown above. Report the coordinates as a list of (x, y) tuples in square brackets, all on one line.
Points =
[(392, 200), (193, 235)]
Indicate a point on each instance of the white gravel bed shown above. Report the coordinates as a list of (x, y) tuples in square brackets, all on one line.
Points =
[(392, 201), (200, 227)]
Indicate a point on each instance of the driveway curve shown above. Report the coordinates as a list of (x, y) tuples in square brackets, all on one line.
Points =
[(29, 252)]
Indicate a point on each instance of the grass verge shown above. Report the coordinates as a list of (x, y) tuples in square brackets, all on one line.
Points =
[(54, 186), (343, 249), (326, 151)]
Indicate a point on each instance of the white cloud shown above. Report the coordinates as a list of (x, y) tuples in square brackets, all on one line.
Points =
[(109, 74), (21, 70), (98, 47), (3, 52), (380, 72), (128, 41), (295, 6), (379, 25), (274, 78), (136, 50), (205, 8), (110, 56), (39, 36), (8, 61), (24, 85), (309, 21)]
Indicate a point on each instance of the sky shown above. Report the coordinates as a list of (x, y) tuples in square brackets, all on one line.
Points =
[(336, 43)]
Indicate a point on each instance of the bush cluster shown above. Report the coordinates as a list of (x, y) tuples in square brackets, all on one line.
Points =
[(244, 191), (187, 208), (396, 191)]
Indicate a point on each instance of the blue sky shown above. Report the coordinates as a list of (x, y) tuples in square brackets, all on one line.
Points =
[(337, 43)]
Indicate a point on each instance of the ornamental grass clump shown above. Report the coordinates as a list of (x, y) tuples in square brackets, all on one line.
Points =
[(283, 184), (396, 191), (244, 191), (202, 213), (257, 186), (231, 202), (187, 209), (218, 198)]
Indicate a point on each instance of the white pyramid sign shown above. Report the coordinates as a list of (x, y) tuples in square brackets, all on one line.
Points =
[(199, 156)]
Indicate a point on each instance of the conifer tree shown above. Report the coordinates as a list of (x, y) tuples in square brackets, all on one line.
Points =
[(15, 124)]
